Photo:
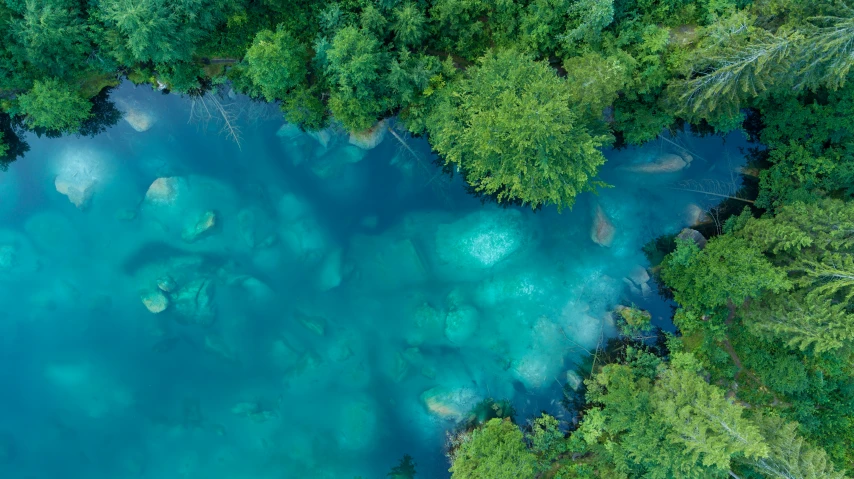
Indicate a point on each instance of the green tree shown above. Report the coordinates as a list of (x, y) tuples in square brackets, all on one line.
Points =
[(729, 269), (409, 24), (618, 439), (790, 456), (159, 31), (53, 105), (495, 450), (812, 242), (595, 81), (509, 128), (546, 439), (276, 62), (710, 427), (546, 26), (587, 20), (469, 27), (52, 36), (354, 62), (739, 59)]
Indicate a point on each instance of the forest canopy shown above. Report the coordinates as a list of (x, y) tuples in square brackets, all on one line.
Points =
[(592, 72)]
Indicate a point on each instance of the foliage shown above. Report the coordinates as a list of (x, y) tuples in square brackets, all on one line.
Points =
[(353, 62), (508, 126), (728, 270), (276, 63), (790, 456), (159, 31), (546, 439), (689, 428), (52, 36), (494, 451), (519, 96), (53, 105)]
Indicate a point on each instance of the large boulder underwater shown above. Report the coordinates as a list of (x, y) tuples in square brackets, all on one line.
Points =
[(483, 240), (79, 173), (448, 403), (660, 163), (139, 117)]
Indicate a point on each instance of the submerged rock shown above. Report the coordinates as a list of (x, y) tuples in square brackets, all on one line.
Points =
[(333, 163), (254, 411), (155, 301), (536, 368), (449, 404), (256, 229), (666, 163), (215, 344), (166, 284), (357, 425), (202, 227), (164, 191), (461, 324), (77, 187), (289, 132), (194, 302), (139, 119), (639, 275), (483, 239), (602, 231), (428, 324), (315, 324), (573, 380), (330, 273), (370, 138), (323, 137), (382, 262), (692, 235), (17, 255), (695, 216)]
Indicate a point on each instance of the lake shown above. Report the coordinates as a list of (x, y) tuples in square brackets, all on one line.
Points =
[(178, 305)]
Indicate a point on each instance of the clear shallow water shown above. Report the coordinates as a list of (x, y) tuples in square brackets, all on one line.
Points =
[(303, 329)]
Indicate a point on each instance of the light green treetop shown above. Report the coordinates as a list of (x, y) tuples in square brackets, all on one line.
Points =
[(276, 62), (728, 269), (54, 105), (53, 36), (495, 450), (711, 428), (509, 127)]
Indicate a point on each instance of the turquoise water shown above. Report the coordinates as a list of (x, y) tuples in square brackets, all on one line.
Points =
[(313, 292)]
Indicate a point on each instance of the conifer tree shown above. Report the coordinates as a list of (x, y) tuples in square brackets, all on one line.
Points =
[(276, 62), (53, 105), (710, 427), (789, 455), (509, 127)]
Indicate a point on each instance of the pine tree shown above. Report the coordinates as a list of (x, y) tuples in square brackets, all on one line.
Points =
[(710, 427), (495, 450), (509, 127), (803, 323), (53, 105), (728, 269), (739, 60), (789, 455), (276, 62)]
